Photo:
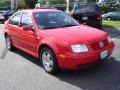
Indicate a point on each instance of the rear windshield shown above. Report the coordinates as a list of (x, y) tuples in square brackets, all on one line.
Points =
[(85, 8)]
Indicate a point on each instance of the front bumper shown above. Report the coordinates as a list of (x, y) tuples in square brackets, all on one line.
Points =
[(76, 61)]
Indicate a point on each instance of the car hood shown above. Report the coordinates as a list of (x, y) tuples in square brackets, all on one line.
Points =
[(76, 34)]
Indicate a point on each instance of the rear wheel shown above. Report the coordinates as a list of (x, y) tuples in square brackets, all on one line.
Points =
[(108, 19), (8, 43), (49, 61)]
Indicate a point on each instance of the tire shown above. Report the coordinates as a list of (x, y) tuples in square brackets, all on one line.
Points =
[(108, 19), (48, 60), (8, 43)]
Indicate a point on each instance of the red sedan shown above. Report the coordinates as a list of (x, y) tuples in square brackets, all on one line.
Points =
[(56, 39)]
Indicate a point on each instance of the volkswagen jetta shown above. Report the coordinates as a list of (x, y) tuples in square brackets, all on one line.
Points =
[(56, 39)]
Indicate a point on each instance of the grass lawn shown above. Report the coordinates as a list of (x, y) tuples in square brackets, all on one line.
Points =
[(111, 24)]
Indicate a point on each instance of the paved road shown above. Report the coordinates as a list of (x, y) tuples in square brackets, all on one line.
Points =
[(20, 71)]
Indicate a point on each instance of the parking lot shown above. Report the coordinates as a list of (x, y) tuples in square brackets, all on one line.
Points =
[(20, 71)]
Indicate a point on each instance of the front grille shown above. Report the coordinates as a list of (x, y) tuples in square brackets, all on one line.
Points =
[(96, 46)]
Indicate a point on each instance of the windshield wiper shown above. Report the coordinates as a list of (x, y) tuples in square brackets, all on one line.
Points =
[(69, 25), (58, 26), (49, 27)]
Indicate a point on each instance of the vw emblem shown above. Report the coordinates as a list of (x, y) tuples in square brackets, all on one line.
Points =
[(101, 44)]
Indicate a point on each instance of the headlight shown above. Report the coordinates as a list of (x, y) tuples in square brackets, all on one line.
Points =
[(109, 39), (79, 48)]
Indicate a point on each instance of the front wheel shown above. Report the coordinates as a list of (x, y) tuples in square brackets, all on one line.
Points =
[(49, 61), (108, 19)]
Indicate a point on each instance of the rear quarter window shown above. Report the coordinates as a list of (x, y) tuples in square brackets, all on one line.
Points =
[(15, 19)]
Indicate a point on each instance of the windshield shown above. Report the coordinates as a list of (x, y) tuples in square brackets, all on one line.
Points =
[(54, 19)]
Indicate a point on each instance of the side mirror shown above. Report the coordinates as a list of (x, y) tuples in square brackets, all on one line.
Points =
[(27, 28)]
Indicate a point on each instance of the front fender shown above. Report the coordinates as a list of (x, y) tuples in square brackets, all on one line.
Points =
[(48, 42)]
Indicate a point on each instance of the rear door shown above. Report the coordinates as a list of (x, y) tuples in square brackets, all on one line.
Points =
[(13, 28), (114, 16), (119, 16)]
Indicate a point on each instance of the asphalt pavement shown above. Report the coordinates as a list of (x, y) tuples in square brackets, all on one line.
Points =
[(20, 71)]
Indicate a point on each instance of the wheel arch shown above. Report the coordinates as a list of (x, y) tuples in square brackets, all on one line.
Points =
[(49, 47), (46, 45)]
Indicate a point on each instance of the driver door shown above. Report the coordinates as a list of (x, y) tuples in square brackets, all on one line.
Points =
[(28, 38)]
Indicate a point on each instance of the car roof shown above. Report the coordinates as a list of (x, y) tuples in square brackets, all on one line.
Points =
[(37, 10)]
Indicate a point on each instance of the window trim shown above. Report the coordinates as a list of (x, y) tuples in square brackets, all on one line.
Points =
[(19, 13), (29, 17)]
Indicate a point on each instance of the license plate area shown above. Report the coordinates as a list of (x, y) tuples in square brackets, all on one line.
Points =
[(84, 18), (104, 54)]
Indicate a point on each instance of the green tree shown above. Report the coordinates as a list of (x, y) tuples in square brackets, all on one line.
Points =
[(5, 4), (21, 4), (30, 3)]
